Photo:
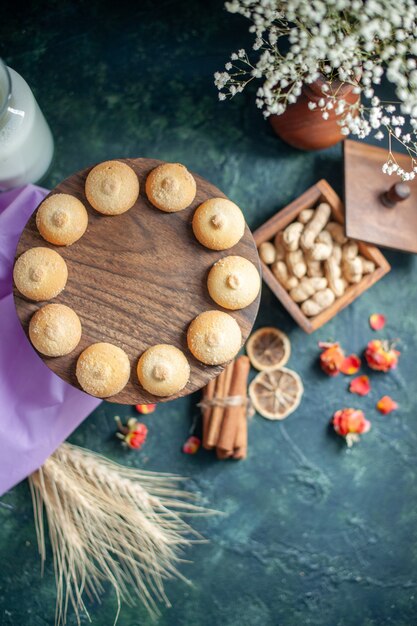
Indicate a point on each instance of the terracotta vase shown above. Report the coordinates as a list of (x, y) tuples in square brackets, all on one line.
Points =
[(306, 129)]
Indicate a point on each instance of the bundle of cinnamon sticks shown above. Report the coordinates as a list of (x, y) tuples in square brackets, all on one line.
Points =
[(224, 406)]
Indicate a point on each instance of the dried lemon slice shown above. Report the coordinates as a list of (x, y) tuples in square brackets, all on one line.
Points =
[(276, 393), (268, 348)]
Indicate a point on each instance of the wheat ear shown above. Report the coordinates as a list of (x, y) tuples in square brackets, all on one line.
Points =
[(110, 523)]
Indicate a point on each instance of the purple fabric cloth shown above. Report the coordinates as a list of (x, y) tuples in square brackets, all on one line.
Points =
[(37, 409)]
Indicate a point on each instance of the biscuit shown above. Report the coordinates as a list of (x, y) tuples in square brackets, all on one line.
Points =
[(233, 282), (218, 224), (103, 370), (55, 330), (214, 337), (62, 219), (163, 370), (170, 187), (40, 274), (112, 187)]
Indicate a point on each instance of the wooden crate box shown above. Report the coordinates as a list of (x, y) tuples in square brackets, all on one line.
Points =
[(320, 192)]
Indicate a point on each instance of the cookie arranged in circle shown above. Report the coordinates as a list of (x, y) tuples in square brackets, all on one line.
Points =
[(62, 219), (170, 187), (103, 369), (163, 370), (40, 274), (218, 224), (214, 337), (233, 282), (112, 187), (55, 330)]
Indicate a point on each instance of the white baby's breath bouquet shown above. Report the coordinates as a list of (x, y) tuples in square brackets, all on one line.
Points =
[(343, 41)]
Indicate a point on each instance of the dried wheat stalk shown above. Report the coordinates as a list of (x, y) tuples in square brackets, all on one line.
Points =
[(110, 523)]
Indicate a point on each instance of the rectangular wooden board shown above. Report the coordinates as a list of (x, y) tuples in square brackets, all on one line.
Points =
[(367, 218)]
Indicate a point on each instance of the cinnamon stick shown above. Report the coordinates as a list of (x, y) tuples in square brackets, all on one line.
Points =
[(233, 425), (223, 454), (240, 453), (241, 439), (222, 389), (208, 393)]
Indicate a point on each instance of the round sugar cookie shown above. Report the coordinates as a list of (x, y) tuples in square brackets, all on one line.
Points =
[(103, 369), (112, 187), (62, 219), (214, 337), (55, 330), (40, 274), (218, 224), (233, 282), (170, 187), (163, 370)]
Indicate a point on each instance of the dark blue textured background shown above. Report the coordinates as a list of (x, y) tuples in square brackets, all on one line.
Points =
[(313, 533)]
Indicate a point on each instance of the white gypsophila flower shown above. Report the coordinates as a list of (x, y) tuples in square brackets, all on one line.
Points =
[(345, 41)]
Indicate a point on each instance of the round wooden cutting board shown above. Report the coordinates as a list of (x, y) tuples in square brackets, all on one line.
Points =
[(136, 280)]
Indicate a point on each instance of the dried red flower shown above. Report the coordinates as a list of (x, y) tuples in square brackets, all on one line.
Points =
[(386, 404), (360, 385), (331, 358), (377, 321), (145, 409), (381, 355), (137, 438), (350, 365), (133, 435), (350, 423), (192, 445)]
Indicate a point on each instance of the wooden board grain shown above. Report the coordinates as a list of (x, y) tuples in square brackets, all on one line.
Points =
[(320, 192), (366, 217), (136, 280)]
